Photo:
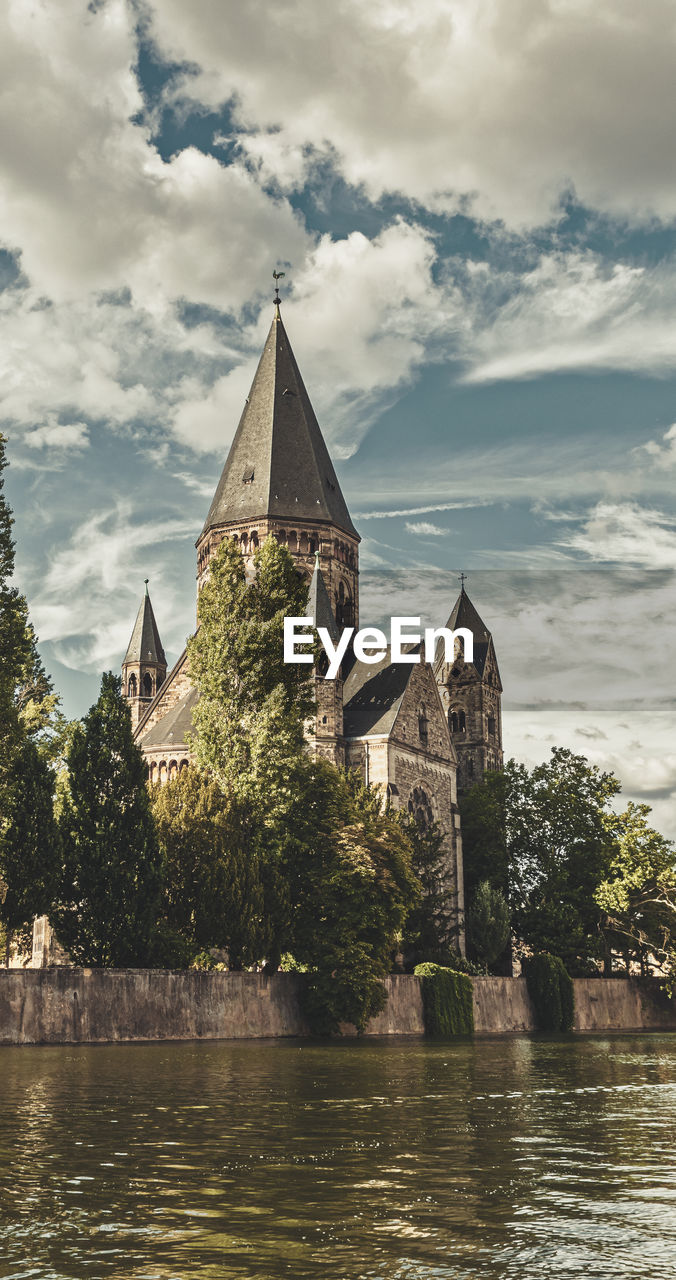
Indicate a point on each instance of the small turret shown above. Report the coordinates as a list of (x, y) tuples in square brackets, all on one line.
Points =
[(144, 668), (471, 696)]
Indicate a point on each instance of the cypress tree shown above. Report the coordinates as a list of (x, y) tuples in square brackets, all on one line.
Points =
[(29, 853), (112, 875)]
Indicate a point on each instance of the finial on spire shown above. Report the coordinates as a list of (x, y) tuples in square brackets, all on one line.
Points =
[(146, 580), (462, 579), (277, 275)]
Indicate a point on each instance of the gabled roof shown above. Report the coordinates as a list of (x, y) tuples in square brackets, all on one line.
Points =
[(373, 693), (145, 644), (463, 614), (278, 464), (319, 604), (172, 730)]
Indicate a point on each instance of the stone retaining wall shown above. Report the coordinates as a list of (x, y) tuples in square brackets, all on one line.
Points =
[(69, 1006)]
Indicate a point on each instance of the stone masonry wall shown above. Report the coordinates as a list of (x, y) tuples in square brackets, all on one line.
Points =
[(86, 1006)]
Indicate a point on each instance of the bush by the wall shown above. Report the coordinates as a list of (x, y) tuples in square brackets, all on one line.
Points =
[(447, 1001), (550, 988)]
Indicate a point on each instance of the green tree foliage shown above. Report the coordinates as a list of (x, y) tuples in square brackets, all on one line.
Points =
[(30, 851), (488, 922), (213, 892), (448, 1001), (638, 897), (252, 705), (483, 816), (431, 925), (30, 725), (350, 888), (111, 881), (551, 823), (551, 991)]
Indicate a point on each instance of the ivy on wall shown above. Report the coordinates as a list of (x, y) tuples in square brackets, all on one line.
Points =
[(447, 1001)]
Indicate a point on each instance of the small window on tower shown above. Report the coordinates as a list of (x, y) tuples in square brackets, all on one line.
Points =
[(491, 726), (462, 723), (248, 476)]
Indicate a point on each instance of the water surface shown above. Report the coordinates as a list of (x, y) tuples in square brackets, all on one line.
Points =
[(516, 1157)]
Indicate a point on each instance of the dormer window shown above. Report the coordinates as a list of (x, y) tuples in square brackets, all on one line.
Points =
[(248, 476)]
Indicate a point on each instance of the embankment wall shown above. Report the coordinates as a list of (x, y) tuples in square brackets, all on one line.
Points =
[(71, 1006)]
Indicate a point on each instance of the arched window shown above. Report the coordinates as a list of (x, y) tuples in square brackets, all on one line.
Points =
[(457, 721), (454, 722), (462, 723), (303, 544), (344, 611), (491, 726), (470, 768), (422, 724), (131, 686), (254, 540), (293, 542), (420, 808), (147, 685)]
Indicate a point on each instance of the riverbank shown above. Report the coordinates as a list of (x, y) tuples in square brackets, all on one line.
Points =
[(89, 1006)]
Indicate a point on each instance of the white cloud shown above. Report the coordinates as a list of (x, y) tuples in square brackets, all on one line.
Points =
[(499, 108), (626, 533), (86, 198), (571, 311), (423, 529), (663, 455), (58, 435), (86, 602)]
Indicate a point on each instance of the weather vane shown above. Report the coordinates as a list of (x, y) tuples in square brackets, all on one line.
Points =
[(277, 275)]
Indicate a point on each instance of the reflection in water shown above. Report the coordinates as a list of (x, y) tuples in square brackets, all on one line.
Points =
[(528, 1158)]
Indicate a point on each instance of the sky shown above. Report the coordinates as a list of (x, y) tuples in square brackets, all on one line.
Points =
[(474, 204)]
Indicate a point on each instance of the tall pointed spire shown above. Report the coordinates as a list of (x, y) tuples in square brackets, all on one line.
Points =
[(145, 644), (278, 464)]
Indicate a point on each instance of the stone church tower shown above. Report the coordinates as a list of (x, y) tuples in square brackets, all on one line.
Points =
[(471, 696), (279, 479), (405, 727), (144, 667)]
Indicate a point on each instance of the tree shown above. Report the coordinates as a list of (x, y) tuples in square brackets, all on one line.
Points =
[(540, 836), (559, 853), (429, 933), (213, 891), (488, 921), (351, 886), (30, 725), (483, 817), (252, 709), (30, 852), (112, 874), (638, 897), (252, 706)]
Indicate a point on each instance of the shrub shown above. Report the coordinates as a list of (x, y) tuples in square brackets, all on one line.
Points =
[(447, 1001), (550, 988)]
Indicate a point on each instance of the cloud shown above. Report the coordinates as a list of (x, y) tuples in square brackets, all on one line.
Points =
[(86, 602), (626, 533), (499, 109), (663, 455), (88, 201), (425, 530), (572, 310), (58, 435)]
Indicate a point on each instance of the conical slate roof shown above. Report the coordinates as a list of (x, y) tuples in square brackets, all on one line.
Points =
[(319, 604), (463, 614), (278, 464), (145, 644)]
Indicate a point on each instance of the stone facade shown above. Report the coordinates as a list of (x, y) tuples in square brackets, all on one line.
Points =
[(399, 724)]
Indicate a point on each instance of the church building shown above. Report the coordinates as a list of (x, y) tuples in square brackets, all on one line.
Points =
[(419, 732)]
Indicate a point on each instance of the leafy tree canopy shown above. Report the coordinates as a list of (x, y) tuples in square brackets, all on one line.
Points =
[(112, 876), (638, 896), (213, 891)]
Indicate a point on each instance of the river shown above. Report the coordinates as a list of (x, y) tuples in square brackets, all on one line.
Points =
[(515, 1157)]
